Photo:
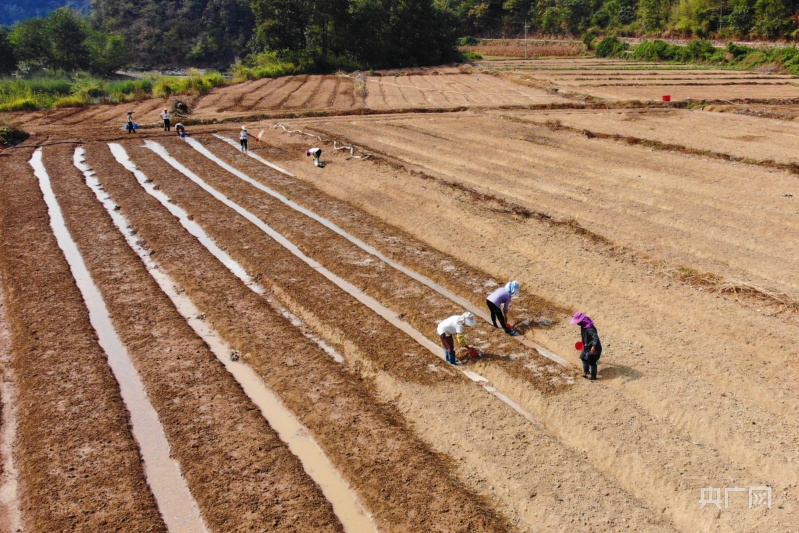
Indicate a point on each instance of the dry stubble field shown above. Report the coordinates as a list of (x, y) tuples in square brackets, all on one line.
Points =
[(228, 279)]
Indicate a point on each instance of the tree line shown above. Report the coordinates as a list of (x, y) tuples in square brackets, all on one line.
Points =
[(732, 19), (325, 34), (61, 41)]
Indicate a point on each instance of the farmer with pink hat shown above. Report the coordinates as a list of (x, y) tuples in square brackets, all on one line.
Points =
[(317, 154), (592, 348)]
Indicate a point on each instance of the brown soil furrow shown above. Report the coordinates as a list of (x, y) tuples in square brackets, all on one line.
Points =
[(654, 475), (346, 96), (144, 112), (85, 115), (368, 442), (677, 399), (10, 519), (431, 96), (719, 135), (278, 98), (719, 213), (331, 88), (487, 91), (660, 83), (419, 305), (399, 291), (256, 92), (392, 93), (234, 96), (409, 93), (231, 488), (561, 197), (267, 90), (510, 92), (723, 226), (306, 95), (212, 99), (58, 116), (376, 94), (79, 466)]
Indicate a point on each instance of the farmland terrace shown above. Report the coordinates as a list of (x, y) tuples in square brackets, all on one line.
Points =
[(195, 338)]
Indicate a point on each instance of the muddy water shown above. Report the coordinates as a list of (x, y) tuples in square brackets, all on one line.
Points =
[(175, 502), (231, 264), (345, 505), (389, 315), (478, 311)]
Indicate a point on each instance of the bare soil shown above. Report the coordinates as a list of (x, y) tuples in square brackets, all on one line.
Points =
[(675, 230)]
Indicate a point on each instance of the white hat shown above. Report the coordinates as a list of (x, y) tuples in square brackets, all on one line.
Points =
[(244, 128), (468, 319), (512, 287)]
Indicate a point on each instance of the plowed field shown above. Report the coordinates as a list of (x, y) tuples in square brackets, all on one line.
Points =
[(279, 320)]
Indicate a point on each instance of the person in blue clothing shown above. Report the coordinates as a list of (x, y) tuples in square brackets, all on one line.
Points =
[(131, 126), (592, 348), (498, 303)]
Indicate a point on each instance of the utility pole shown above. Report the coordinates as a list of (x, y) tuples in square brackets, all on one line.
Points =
[(525, 39)]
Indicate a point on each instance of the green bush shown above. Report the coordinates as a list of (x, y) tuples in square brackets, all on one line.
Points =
[(654, 51), (700, 50), (468, 41), (75, 100), (472, 56), (737, 51), (194, 84), (20, 104), (611, 47), (119, 90), (87, 86), (589, 37)]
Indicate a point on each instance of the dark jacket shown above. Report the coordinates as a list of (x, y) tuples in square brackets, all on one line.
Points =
[(590, 339)]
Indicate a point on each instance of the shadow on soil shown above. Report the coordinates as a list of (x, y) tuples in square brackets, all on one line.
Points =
[(609, 371)]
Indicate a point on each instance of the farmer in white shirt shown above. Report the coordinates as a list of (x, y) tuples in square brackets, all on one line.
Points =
[(165, 116), (455, 325), (317, 154), (243, 134)]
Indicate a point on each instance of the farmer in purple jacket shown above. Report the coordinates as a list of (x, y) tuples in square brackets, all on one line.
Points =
[(502, 297), (592, 348)]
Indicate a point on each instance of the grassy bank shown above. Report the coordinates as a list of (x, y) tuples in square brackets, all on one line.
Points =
[(56, 90), (783, 59)]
